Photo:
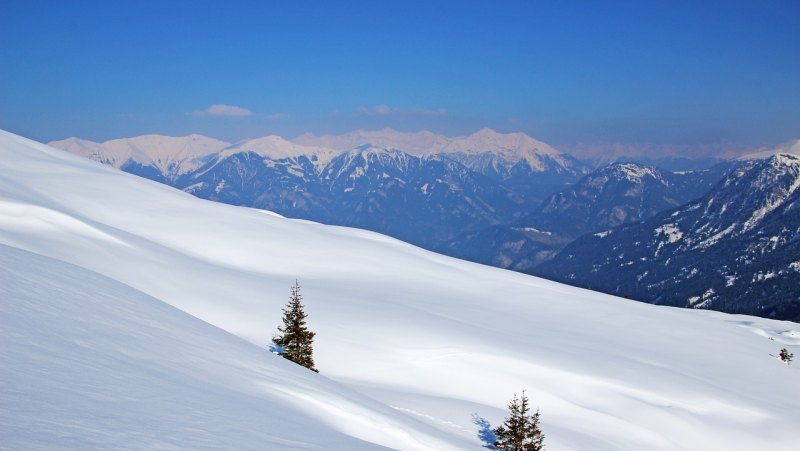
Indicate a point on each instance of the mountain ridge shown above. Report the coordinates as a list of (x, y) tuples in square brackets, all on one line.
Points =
[(733, 249)]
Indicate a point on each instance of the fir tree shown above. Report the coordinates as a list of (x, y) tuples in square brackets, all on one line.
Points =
[(294, 340), (520, 431), (786, 356)]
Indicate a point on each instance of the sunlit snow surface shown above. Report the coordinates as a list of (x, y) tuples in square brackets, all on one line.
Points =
[(433, 338)]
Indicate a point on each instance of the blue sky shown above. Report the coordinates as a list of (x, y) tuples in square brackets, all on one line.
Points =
[(565, 72)]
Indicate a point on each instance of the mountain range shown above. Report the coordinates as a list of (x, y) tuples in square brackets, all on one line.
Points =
[(615, 194), (736, 249), (425, 197)]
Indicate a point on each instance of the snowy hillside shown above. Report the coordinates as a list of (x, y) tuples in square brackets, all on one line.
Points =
[(89, 363), (434, 338)]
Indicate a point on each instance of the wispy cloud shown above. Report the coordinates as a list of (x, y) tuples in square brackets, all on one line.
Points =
[(277, 116), (386, 110), (220, 110)]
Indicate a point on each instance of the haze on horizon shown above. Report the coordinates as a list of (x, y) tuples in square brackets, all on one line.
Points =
[(674, 75)]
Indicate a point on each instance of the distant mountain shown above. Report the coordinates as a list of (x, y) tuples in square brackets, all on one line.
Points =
[(615, 194), (673, 163), (790, 148), (736, 249), (619, 193), (445, 187), (528, 166), (510, 247), (423, 200), (417, 143), (161, 157), (672, 157)]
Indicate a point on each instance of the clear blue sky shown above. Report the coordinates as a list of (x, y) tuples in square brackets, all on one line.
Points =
[(563, 71)]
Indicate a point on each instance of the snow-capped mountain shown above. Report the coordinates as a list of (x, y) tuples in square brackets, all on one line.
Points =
[(276, 148), (433, 337), (445, 187), (789, 148), (500, 155), (735, 249), (160, 157), (415, 143), (423, 200), (615, 194), (500, 152)]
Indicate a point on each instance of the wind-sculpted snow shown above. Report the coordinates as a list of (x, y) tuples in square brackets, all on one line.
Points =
[(437, 339)]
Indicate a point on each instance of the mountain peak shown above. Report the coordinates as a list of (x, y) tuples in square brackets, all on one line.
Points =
[(276, 147), (170, 154), (415, 143), (631, 171), (511, 145)]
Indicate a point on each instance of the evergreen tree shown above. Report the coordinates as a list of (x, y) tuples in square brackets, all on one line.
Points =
[(294, 340), (520, 431), (786, 356)]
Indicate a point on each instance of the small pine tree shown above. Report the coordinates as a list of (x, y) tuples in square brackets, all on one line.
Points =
[(520, 432), (294, 340), (786, 356)]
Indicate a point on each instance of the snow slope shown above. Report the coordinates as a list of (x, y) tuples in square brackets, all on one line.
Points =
[(433, 337), (89, 363)]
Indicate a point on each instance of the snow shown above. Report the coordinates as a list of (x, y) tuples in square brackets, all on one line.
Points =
[(714, 239), (505, 149), (432, 339), (277, 148), (426, 143), (171, 155), (87, 362), (789, 148), (672, 233), (635, 172), (788, 164), (219, 186), (417, 143), (535, 230)]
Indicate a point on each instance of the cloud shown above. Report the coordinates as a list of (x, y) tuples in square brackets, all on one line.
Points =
[(385, 110), (220, 110), (277, 116)]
